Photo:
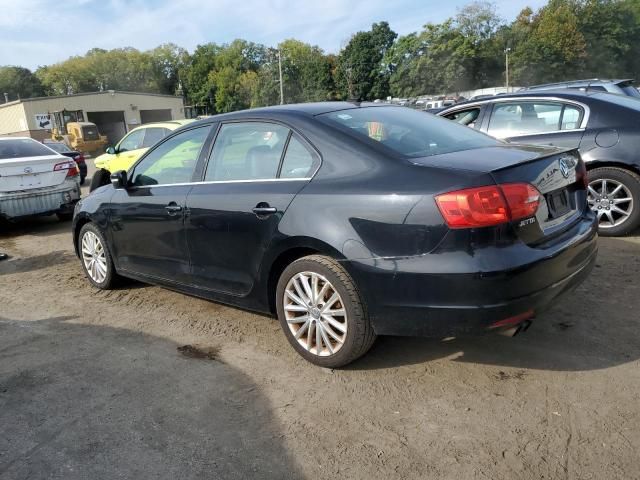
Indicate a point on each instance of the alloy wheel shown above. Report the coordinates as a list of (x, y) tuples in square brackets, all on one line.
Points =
[(315, 313), (93, 257), (611, 201)]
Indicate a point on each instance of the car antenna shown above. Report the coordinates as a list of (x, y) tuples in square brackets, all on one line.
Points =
[(356, 101)]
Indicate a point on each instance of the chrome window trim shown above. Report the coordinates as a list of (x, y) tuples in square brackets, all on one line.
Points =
[(209, 182), (585, 108)]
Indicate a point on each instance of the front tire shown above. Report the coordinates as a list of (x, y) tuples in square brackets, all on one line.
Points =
[(96, 259), (100, 178), (614, 195), (321, 312)]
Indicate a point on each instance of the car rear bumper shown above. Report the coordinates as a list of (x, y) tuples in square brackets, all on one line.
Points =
[(40, 201), (450, 293)]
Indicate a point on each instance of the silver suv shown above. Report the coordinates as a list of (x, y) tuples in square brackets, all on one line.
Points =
[(619, 87)]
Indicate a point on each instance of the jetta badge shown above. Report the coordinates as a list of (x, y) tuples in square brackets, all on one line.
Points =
[(28, 170), (564, 168)]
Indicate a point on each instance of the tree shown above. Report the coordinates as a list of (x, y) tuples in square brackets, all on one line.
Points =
[(554, 48), (360, 71), (167, 63), (19, 82)]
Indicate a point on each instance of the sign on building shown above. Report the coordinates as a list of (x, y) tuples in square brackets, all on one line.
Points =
[(43, 121)]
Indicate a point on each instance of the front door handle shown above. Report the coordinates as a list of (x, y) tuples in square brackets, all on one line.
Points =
[(263, 209), (173, 208)]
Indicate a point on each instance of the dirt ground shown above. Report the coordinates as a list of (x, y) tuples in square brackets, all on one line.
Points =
[(92, 385)]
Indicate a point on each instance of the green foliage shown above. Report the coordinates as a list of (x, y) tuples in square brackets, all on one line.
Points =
[(18, 82), (565, 39), (360, 70)]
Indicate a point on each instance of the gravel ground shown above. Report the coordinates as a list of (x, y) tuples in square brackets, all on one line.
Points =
[(96, 385)]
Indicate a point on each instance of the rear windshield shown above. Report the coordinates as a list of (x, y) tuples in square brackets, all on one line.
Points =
[(58, 147), (22, 147), (408, 132)]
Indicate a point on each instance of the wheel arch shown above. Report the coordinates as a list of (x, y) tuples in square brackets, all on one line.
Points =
[(593, 164), (292, 249)]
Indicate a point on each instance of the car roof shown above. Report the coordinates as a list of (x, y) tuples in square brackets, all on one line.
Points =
[(594, 81), (563, 93)]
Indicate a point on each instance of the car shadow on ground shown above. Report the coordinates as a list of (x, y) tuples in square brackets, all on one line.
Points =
[(37, 226), (37, 262), (80, 401)]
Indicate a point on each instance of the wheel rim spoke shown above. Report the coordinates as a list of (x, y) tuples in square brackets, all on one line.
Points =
[(613, 204), (319, 326), (94, 257)]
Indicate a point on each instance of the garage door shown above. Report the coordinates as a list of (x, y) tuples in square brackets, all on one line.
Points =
[(147, 116), (110, 124)]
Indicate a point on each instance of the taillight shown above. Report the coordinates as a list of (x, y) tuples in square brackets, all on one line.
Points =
[(490, 205), (70, 166)]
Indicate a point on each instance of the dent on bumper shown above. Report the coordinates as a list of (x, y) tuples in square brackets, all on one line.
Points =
[(39, 201)]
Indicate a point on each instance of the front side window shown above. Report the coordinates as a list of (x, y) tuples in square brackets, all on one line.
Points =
[(247, 151), (133, 141), (407, 132), (153, 135), (524, 118), (465, 117), (173, 161)]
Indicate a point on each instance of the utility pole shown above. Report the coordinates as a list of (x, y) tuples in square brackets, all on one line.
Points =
[(506, 53), (280, 71)]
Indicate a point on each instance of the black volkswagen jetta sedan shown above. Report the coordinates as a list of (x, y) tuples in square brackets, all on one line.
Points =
[(347, 221)]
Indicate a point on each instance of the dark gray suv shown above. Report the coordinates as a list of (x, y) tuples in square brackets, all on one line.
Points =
[(619, 87)]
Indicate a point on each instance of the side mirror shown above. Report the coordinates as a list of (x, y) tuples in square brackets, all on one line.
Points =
[(110, 150), (119, 179)]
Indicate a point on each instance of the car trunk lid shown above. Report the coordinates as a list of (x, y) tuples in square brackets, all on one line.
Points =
[(557, 174), (27, 173)]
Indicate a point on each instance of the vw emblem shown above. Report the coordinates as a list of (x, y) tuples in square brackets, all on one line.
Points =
[(564, 168), (28, 170)]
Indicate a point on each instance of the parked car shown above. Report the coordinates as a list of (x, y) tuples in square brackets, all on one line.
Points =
[(36, 180), (604, 127), (63, 149), (619, 87), (130, 148), (347, 221)]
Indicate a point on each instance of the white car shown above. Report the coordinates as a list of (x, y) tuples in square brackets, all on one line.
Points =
[(36, 180)]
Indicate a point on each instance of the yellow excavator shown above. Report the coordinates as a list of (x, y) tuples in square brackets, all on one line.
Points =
[(69, 127)]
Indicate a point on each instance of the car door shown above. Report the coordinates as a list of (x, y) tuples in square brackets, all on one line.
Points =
[(254, 171), (537, 122), (147, 217)]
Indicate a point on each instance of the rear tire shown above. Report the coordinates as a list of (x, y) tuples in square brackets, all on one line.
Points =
[(96, 259), (608, 189), (337, 312), (100, 178)]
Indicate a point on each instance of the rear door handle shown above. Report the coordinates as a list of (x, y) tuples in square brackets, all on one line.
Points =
[(264, 209), (173, 208)]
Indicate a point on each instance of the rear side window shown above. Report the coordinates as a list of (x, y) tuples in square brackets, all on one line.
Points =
[(407, 132), (22, 147), (153, 136), (247, 151), (298, 161)]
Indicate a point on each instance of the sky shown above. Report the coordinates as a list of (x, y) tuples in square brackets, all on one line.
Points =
[(42, 32)]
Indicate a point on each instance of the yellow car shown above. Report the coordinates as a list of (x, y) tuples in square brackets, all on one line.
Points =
[(131, 148)]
